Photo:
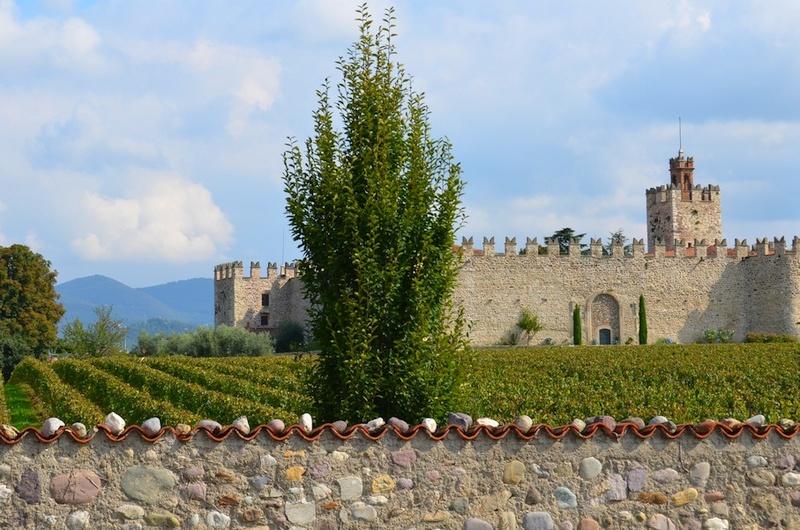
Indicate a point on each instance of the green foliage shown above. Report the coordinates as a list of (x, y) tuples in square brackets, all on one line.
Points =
[(620, 238), (110, 393), (13, 350), (59, 398), (577, 330), (529, 324), (723, 336), (21, 411), (686, 383), (103, 337), (222, 341), (769, 337), (642, 321), (29, 308), (374, 208), (565, 237), (183, 394), (290, 336), (4, 411), (275, 394)]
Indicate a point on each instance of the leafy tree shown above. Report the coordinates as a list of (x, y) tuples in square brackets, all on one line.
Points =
[(618, 237), (642, 321), (577, 330), (13, 349), (290, 336), (29, 308), (222, 341), (374, 207), (564, 238), (529, 324), (105, 336)]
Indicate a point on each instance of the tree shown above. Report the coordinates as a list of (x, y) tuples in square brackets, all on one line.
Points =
[(620, 238), (29, 308), (374, 207), (565, 237), (642, 321), (290, 336), (103, 337), (222, 341), (529, 324), (577, 330)]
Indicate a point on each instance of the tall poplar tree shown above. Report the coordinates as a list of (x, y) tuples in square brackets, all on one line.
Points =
[(374, 206)]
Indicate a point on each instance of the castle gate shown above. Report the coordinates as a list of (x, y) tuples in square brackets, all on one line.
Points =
[(604, 319)]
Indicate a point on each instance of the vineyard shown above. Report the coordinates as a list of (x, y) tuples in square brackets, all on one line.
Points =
[(552, 385)]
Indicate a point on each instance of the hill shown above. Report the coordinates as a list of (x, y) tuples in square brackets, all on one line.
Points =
[(189, 303)]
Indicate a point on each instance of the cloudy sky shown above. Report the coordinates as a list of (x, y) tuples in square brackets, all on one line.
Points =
[(143, 140)]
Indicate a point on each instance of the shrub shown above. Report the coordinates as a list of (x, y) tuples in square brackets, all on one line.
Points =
[(769, 337), (724, 336), (223, 341), (290, 336), (529, 325)]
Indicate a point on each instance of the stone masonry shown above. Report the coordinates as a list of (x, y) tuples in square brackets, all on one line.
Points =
[(701, 477), (691, 280)]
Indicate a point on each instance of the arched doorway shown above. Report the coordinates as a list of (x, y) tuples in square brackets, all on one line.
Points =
[(605, 319)]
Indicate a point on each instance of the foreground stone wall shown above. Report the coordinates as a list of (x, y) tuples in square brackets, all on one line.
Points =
[(705, 476)]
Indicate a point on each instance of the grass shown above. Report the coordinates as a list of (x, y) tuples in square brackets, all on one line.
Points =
[(19, 406)]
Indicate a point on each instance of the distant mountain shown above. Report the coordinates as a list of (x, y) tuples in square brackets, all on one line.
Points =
[(188, 301)]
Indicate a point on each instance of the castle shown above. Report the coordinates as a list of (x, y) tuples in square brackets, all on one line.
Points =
[(692, 281)]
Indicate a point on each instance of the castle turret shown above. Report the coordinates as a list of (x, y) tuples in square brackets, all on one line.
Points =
[(681, 173), (682, 211)]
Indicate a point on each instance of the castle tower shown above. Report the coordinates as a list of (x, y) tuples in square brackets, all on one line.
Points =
[(682, 211)]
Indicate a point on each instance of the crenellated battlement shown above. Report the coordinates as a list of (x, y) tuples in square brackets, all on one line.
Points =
[(679, 249), (672, 192), (235, 270)]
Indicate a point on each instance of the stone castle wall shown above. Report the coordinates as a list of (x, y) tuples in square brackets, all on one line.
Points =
[(703, 476), (685, 294), (687, 291), (238, 298)]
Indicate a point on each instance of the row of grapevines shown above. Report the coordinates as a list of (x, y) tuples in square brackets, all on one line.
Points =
[(112, 394), (5, 415), (214, 405), (686, 383), (58, 398), (184, 368), (274, 371)]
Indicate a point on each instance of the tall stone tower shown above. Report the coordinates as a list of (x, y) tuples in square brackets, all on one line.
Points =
[(683, 211)]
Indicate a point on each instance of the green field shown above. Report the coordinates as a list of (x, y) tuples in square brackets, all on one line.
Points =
[(550, 384)]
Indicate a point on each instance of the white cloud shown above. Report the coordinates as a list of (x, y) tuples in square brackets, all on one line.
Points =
[(704, 20), (170, 219), (68, 44)]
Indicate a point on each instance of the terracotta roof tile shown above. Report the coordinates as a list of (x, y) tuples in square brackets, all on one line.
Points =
[(699, 430)]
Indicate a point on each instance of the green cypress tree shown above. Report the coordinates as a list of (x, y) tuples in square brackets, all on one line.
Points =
[(374, 207), (577, 331), (642, 321)]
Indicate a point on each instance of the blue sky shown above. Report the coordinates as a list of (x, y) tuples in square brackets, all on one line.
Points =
[(143, 140)]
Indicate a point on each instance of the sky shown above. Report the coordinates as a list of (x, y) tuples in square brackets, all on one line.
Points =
[(143, 140)]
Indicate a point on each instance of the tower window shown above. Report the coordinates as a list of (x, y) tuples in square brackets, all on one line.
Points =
[(265, 299), (265, 319)]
